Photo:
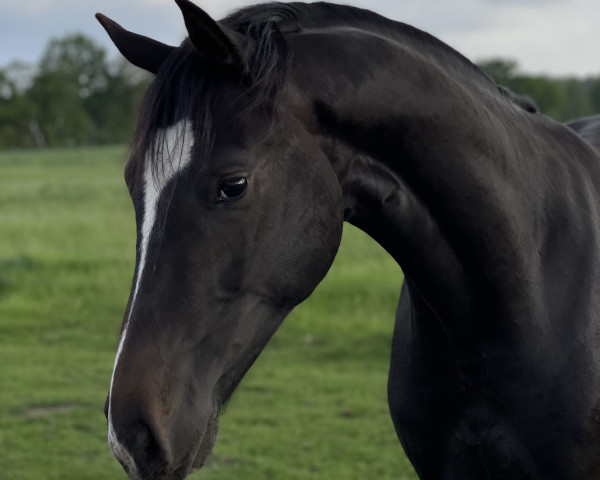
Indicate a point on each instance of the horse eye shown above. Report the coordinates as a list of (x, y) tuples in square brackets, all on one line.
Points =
[(232, 189)]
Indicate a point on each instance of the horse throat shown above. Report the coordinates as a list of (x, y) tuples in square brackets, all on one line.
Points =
[(382, 203)]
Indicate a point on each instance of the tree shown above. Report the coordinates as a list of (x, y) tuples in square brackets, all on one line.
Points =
[(563, 99), (74, 97), (115, 108), (502, 70), (77, 59), (595, 94), (547, 93), (15, 109), (578, 102), (72, 69), (58, 109)]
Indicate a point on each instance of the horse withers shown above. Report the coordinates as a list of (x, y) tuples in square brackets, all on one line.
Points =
[(589, 129), (259, 136)]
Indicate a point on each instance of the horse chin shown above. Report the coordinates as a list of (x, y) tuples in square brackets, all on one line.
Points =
[(207, 443)]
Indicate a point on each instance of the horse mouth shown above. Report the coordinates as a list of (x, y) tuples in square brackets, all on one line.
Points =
[(206, 444), (194, 460)]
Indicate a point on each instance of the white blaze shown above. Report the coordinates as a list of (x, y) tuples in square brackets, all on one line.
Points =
[(172, 156)]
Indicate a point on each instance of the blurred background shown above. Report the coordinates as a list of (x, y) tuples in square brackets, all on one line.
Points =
[(314, 405), (63, 84)]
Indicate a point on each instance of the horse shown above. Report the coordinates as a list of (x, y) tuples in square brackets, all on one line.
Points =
[(259, 136), (588, 128)]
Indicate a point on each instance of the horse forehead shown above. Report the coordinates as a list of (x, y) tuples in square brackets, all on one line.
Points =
[(170, 153)]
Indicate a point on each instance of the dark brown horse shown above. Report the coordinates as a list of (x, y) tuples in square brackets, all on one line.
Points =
[(589, 129), (260, 135)]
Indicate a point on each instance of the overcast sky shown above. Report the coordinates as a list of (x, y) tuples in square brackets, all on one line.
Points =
[(558, 37)]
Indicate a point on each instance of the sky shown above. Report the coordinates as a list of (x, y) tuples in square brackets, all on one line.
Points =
[(556, 37)]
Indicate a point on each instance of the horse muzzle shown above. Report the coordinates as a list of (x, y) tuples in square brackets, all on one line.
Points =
[(146, 453)]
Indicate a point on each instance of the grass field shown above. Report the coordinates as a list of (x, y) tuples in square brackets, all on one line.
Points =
[(312, 407)]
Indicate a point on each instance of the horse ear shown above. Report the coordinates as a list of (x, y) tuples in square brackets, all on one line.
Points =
[(209, 38), (142, 51)]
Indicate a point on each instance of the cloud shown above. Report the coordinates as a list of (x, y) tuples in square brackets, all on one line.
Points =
[(555, 39), (544, 36), (555, 36)]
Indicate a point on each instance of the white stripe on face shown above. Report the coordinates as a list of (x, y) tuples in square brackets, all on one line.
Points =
[(172, 157)]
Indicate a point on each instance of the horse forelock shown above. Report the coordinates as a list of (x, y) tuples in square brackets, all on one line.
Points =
[(187, 87)]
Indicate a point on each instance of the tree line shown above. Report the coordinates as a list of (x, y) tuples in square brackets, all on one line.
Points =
[(76, 95), (564, 98)]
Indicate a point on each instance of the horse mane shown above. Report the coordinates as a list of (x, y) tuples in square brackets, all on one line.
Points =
[(184, 85), (296, 17)]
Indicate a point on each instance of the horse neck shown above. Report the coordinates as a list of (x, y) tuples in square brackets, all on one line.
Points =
[(420, 153)]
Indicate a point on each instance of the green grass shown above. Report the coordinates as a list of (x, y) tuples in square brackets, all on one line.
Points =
[(312, 407)]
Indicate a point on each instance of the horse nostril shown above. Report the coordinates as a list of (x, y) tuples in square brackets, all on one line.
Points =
[(139, 449), (149, 453)]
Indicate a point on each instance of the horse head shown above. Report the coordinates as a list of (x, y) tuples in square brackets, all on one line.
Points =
[(239, 217)]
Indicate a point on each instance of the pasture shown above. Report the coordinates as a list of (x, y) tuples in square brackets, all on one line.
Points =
[(313, 406)]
